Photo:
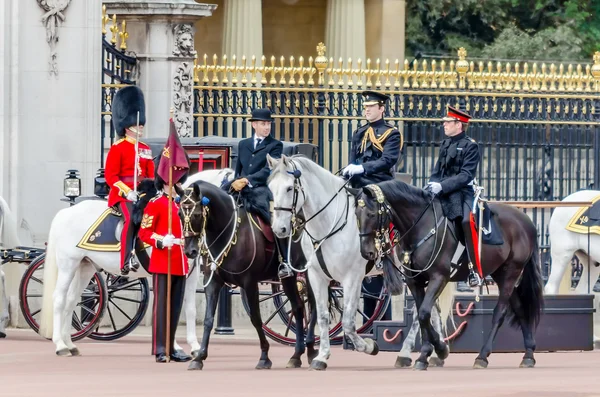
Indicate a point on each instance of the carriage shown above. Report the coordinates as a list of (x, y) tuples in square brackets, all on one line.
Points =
[(112, 306)]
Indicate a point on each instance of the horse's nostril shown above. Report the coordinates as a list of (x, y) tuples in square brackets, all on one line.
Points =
[(283, 229)]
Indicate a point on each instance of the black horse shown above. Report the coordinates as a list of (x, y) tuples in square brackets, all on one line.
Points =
[(231, 242), (425, 244)]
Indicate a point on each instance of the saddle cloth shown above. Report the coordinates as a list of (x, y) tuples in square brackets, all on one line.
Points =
[(492, 235), (102, 235), (586, 218), (105, 233)]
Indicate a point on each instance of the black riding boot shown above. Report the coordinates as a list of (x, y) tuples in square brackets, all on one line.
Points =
[(285, 270), (474, 279)]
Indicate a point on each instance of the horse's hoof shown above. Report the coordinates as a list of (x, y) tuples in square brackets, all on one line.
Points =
[(194, 353), (75, 352), (63, 352), (436, 362), (375, 349), (264, 364), (444, 353), (317, 365), (420, 366), (2, 335), (403, 362), (527, 363), (480, 363), (294, 363), (195, 366), (311, 354)]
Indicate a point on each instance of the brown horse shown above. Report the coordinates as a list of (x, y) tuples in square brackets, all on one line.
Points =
[(426, 242)]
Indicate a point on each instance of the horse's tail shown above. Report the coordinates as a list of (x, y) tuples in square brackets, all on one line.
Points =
[(392, 278), (446, 303), (530, 291), (333, 304), (50, 279), (10, 237)]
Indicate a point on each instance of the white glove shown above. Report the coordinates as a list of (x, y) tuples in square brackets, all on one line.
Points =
[(168, 241), (353, 169), (132, 196), (436, 187)]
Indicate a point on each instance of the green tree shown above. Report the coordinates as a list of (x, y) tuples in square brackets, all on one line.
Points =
[(522, 29)]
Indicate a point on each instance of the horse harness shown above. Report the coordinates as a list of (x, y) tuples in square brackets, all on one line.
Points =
[(203, 245), (385, 244), (298, 224)]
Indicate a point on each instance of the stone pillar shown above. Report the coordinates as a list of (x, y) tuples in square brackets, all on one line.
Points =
[(50, 68), (242, 30), (393, 20), (161, 34), (345, 30)]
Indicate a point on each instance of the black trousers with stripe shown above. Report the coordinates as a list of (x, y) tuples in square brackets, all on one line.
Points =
[(159, 311)]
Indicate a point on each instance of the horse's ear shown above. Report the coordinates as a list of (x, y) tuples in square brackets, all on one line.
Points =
[(352, 191), (196, 189), (179, 190), (272, 161)]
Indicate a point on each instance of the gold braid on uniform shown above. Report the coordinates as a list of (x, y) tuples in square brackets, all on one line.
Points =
[(377, 142)]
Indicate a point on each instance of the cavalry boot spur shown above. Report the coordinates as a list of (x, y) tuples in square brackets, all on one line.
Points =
[(284, 271)]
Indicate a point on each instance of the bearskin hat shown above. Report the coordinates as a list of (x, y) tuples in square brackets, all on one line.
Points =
[(158, 181), (125, 105)]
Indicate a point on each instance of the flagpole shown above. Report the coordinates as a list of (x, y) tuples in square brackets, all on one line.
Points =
[(170, 229)]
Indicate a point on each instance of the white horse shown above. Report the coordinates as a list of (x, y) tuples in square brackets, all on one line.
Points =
[(298, 183), (564, 244), (68, 270), (8, 239)]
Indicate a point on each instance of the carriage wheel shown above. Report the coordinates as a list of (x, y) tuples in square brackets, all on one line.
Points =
[(126, 307), (91, 307), (280, 326)]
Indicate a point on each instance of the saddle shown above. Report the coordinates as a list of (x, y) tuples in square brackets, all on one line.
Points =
[(491, 233)]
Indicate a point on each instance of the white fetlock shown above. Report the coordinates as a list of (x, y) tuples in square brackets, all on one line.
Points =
[(370, 345)]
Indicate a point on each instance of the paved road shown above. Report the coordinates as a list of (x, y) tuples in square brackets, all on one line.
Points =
[(28, 367)]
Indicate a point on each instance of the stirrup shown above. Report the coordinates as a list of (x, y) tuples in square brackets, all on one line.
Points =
[(284, 271), (130, 266), (474, 280)]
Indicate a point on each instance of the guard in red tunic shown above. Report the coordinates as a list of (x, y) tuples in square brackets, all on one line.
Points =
[(154, 231), (121, 163)]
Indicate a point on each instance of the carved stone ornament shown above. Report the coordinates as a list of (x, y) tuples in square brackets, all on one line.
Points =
[(182, 98), (52, 19), (184, 40)]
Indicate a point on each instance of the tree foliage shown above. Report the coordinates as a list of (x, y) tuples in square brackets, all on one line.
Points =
[(515, 29)]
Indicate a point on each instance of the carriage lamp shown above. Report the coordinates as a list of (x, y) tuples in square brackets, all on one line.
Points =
[(100, 186), (72, 185)]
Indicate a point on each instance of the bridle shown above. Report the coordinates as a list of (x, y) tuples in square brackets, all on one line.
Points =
[(297, 224), (384, 244), (214, 262)]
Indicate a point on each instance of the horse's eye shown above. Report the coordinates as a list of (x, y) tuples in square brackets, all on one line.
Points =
[(289, 189)]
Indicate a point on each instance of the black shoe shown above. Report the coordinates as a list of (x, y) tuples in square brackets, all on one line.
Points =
[(284, 271), (161, 358), (131, 265), (474, 280), (180, 357)]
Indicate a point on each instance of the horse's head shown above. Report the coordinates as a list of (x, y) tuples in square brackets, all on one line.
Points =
[(373, 217), (288, 195), (193, 211)]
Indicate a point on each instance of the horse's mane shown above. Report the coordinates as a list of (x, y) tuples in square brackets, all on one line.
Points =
[(325, 177), (395, 190)]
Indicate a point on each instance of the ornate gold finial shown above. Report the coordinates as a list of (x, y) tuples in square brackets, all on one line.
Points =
[(595, 71), (105, 19), (114, 29), (124, 36), (462, 66), (321, 61)]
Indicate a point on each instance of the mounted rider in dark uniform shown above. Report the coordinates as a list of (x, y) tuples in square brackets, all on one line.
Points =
[(375, 151), (453, 179), (252, 170)]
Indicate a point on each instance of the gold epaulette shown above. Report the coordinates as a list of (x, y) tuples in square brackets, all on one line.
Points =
[(118, 141)]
